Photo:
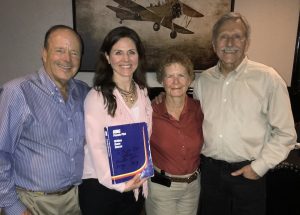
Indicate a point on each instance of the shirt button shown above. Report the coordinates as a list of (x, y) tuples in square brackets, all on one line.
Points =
[(70, 139), (227, 82), (221, 135), (225, 100)]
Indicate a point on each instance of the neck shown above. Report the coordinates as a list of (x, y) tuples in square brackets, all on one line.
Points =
[(175, 105), (64, 92), (129, 95), (124, 83), (125, 86), (226, 68)]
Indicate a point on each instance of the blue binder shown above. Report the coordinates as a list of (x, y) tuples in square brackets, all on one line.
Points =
[(128, 151)]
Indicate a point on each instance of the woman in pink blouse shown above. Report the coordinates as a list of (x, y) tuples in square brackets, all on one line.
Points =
[(176, 142), (118, 96)]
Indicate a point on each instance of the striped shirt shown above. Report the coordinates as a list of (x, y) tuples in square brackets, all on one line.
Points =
[(41, 137)]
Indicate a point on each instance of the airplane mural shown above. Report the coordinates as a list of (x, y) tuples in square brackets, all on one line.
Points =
[(162, 14)]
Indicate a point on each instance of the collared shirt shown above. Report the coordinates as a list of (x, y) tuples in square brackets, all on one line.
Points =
[(176, 144), (96, 163), (247, 115), (41, 137)]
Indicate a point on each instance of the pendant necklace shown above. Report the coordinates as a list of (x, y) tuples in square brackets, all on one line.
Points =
[(128, 96)]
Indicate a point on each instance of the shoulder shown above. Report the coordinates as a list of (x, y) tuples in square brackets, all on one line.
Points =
[(82, 86), (264, 73), (194, 108), (263, 69), (93, 96), (207, 72), (17, 85), (193, 103), (94, 102), (159, 107)]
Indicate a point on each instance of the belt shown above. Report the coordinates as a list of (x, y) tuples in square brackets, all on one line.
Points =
[(59, 192), (188, 180), (231, 165)]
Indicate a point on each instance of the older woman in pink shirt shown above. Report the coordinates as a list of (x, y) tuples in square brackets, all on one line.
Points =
[(119, 96)]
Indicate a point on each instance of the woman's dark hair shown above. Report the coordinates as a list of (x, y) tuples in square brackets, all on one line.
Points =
[(103, 80)]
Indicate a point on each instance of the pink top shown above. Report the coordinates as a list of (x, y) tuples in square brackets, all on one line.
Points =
[(96, 164)]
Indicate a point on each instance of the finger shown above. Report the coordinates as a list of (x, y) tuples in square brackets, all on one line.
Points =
[(136, 178), (237, 173)]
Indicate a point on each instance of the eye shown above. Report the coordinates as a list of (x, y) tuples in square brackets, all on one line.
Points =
[(118, 52), (238, 37), (182, 75), (59, 50), (223, 37), (132, 52), (168, 76), (75, 53)]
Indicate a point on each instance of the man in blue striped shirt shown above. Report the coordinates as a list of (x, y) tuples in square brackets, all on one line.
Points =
[(42, 132)]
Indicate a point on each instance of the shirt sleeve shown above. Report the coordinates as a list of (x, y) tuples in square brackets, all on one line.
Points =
[(282, 136), (11, 117), (197, 89), (96, 117)]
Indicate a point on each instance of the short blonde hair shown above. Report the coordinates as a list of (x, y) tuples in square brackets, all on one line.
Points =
[(172, 58)]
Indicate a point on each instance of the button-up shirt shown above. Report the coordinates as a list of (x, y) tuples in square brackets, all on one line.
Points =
[(247, 115), (176, 144), (41, 137)]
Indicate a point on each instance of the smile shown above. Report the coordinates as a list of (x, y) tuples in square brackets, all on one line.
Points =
[(64, 66), (125, 66)]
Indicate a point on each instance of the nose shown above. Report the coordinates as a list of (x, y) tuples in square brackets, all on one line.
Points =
[(67, 56), (229, 41), (175, 80), (125, 57)]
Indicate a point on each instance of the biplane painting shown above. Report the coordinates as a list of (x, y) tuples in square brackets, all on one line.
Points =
[(163, 25)]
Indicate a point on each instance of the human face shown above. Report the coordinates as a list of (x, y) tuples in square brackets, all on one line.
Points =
[(176, 80), (123, 58), (62, 57), (231, 45)]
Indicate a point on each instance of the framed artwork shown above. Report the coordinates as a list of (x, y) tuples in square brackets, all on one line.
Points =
[(163, 25), (295, 84)]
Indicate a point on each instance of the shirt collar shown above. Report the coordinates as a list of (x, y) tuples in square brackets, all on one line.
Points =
[(161, 107), (50, 85), (240, 69)]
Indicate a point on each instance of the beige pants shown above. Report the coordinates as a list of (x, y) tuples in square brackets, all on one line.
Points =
[(179, 199), (66, 204)]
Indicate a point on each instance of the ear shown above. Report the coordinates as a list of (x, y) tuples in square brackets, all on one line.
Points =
[(190, 82), (247, 45), (213, 45), (44, 55), (107, 57)]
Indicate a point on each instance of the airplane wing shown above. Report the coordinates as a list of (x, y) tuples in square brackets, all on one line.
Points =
[(168, 24), (131, 5), (188, 11), (147, 15), (143, 13)]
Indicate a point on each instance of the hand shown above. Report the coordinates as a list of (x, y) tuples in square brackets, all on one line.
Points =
[(27, 212), (247, 172), (159, 98), (134, 183)]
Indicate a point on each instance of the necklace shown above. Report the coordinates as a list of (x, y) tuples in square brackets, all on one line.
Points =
[(128, 96)]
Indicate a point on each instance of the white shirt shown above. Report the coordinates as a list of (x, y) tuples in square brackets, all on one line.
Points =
[(247, 115)]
